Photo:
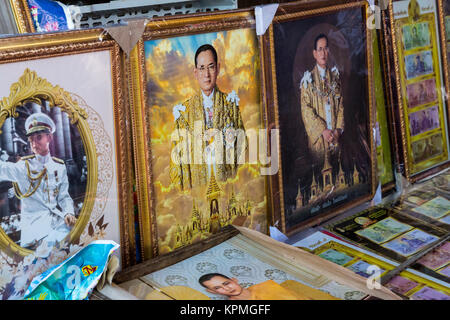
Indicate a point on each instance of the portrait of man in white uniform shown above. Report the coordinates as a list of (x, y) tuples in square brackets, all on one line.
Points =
[(41, 184)]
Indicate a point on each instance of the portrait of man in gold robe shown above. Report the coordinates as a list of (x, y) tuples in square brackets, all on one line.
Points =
[(209, 137), (322, 105)]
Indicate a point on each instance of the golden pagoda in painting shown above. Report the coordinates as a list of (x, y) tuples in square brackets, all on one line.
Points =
[(212, 195), (322, 188), (203, 224)]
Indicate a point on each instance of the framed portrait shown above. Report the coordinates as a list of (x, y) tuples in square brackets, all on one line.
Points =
[(390, 233), (22, 16), (408, 283), (421, 67), (65, 177), (322, 103), (251, 265), (195, 122)]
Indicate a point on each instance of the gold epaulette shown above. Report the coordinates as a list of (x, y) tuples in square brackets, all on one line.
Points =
[(58, 160), (31, 156)]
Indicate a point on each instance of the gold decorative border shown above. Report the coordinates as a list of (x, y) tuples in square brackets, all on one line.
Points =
[(144, 176), (283, 17), (413, 176), (34, 47), (22, 16)]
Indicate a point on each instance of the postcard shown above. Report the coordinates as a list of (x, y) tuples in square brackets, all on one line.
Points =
[(335, 256), (427, 293), (438, 258), (401, 285), (411, 242), (445, 271), (416, 35), (362, 268), (421, 92), (384, 230), (424, 120), (435, 208), (427, 148), (418, 64), (445, 219)]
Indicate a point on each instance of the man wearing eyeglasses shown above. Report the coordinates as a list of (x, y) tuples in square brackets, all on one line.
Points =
[(209, 132), (321, 105), (40, 182)]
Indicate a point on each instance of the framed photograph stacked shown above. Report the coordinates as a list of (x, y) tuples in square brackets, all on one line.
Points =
[(198, 119), (409, 283), (65, 153), (320, 92), (420, 65), (389, 233)]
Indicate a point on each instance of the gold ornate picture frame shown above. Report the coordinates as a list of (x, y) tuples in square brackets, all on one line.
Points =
[(22, 16), (181, 203), (420, 69), (314, 184), (67, 88)]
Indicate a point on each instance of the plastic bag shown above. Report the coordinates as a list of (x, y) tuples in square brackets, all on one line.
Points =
[(74, 278), (50, 15)]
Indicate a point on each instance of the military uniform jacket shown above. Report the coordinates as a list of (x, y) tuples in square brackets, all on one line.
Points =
[(42, 185), (190, 168), (315, 93)]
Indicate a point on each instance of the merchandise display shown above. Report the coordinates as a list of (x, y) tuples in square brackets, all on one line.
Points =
[(421, 85), (409, 282), (286, 151)]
